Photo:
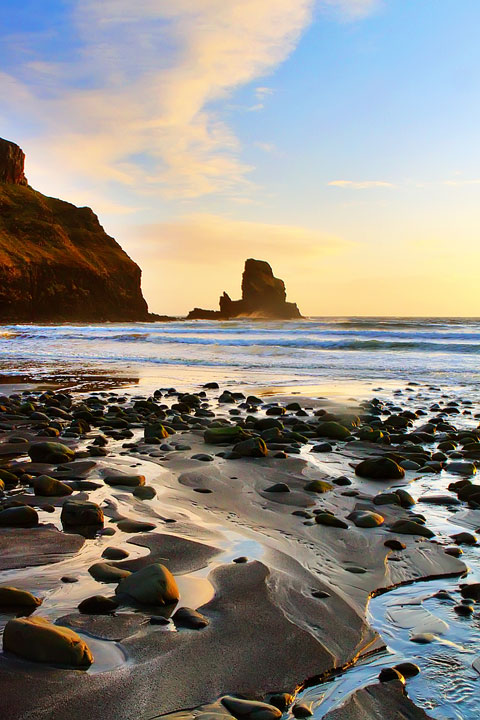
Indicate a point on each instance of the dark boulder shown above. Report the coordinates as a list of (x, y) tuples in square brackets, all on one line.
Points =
[(380, 469)]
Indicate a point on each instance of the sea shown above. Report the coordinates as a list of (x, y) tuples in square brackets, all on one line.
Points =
[(318, 351)]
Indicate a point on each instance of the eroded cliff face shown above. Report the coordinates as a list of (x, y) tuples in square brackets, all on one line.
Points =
[(56, 261), (12, 162), (263, 296)]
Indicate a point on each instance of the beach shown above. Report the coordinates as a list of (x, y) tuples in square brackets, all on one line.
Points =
[(239, 360), (252, 497)]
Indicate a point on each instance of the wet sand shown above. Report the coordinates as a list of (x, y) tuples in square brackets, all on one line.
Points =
[(293, 611)]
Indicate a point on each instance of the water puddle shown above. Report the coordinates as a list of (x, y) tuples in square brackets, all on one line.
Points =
[(449, 682), (107, 655)]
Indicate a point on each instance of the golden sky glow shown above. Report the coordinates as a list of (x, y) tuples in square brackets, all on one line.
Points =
[(336, 139)]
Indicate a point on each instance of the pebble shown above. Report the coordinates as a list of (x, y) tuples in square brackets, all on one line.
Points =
[(389, 674), (250, 709), (407, 669), (104, 572), (187, 618), (98, 605), (145, 492), (342, 481), (394, 545), (410, 527), (464, 538), (282, 700), (113, 553), (330, 520), (464, 610), (366, 519), (320, 594), (135, 526), (301, 710), (322, 448), (159, 620), (423, 638), (278, 488)]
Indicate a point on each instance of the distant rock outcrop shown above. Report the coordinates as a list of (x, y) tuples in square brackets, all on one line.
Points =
[(263, 296), (56, 261)]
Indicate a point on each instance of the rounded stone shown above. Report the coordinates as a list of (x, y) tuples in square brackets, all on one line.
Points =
[(464, 538), (366, 519), (389, 674), (278, 488), (125, 480), (81, 513), (409, 527), (20, 516), (394, 545), (250, 709), (113, 553), (11, 597), (301, 710), (49, 487), (152, 585), (52, 453), (135, 526), (464, 610), (330, 520), (407, 669), (145, 492), (104, 572), (318, 486), (380, 469), (98, 605), (187, 618), (36, 639)]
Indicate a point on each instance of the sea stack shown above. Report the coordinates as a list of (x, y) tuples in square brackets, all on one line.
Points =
[(57, 263), (263, 296)]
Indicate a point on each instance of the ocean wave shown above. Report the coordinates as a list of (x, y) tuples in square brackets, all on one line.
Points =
[(255, 345), (349, 345), (248, 336)]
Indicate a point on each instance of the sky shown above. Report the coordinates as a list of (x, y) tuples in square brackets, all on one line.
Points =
[(336, 139)]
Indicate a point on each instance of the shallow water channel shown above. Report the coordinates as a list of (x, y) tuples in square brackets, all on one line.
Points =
[(448, 685)]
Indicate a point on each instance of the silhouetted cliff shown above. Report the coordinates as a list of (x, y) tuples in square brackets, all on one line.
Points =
[(263, 296), (56, 261)]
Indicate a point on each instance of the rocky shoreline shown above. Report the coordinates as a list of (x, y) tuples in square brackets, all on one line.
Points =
[(184, 548)]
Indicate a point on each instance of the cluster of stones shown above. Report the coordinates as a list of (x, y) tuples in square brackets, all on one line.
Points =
[(39, 426), (47, 428)]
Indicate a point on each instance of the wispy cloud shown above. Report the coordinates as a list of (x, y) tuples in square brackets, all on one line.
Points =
[(134, 102), (462, 183), (143, 82), (262, 92), (201, 236), (354, 9), (267, 147), (361, 184)]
